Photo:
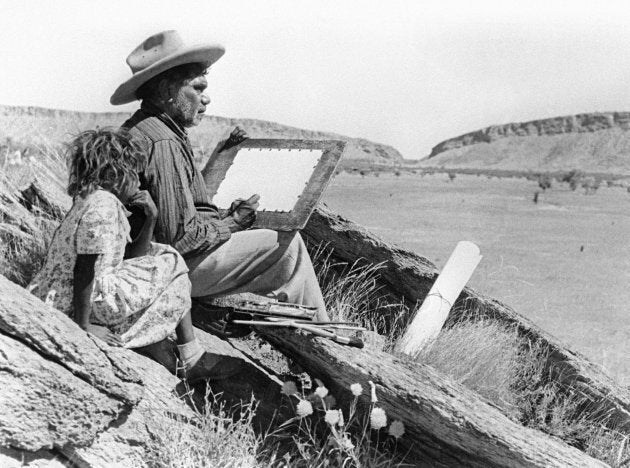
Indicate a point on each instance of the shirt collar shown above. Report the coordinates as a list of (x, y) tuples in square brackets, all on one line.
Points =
[(151, 109)]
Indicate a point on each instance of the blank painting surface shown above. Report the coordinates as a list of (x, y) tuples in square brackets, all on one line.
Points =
[(279, 176)]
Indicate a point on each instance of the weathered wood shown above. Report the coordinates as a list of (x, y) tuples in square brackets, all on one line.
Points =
[(446, 424), (408, 275)]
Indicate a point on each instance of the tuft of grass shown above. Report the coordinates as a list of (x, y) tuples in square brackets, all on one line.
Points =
[(513, 374), (216, 436), (352, 293), (483, 355), (26, 233)]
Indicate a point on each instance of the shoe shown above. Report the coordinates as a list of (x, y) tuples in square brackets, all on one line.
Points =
[(212, 367)]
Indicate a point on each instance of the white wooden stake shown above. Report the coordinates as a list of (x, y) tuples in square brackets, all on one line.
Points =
[(432, 314)]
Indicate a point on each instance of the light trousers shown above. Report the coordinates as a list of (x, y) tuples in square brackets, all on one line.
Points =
[(260, 261)]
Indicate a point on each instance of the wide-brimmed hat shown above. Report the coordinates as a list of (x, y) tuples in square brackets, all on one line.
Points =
[(158, 53)]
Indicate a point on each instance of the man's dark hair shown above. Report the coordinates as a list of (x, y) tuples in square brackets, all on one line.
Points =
[(179, 74)]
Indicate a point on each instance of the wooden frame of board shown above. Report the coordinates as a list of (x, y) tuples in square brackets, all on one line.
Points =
[(217, 168)]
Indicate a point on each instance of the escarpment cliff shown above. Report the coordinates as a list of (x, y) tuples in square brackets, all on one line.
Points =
[(41, 127), (598, 142)]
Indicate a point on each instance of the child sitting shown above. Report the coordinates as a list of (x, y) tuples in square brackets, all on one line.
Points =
[(127, 293)]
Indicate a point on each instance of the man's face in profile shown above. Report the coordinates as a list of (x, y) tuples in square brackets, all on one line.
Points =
[(189, 102)]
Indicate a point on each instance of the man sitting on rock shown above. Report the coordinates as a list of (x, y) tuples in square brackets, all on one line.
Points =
[(223, 256)]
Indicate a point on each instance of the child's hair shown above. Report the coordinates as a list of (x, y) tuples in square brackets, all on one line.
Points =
[(105, 158)]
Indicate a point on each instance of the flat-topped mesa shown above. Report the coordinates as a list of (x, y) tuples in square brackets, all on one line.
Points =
[(580, 123)]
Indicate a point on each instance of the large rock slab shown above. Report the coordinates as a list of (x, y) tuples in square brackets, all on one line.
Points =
[(58, 386), (57, 338), (66, 395), (44, 405)]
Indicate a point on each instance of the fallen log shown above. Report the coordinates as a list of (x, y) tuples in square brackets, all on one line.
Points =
[(445, 423), (408, 275)]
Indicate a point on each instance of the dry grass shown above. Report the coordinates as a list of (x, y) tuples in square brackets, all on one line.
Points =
[(25, 234), (482, 355), (512, 373), (352, 293), (216, 437)]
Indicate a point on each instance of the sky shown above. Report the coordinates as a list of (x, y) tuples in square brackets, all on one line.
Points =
[(405, 73)]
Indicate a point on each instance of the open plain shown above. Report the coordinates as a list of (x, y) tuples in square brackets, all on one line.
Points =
[(564, 262)]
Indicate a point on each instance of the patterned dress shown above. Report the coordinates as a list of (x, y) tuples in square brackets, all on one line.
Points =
[(141, 299)]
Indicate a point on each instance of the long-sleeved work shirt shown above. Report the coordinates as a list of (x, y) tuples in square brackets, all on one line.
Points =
[(187, 219)]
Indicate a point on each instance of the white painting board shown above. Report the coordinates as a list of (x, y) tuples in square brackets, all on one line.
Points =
[(290, 175), (279, 176)]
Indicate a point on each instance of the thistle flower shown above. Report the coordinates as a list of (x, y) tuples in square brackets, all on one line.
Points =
[(378, 419), (373, 388), (304, 408), (396, 429), (332, 417), (356, 389), (289, 388), (321, 392)]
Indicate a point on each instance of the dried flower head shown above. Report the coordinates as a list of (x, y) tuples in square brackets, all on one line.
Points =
[(378, 418), (321, 392), (304, 408), (332, 417), (356, 389), (289, 388), (396, 429)]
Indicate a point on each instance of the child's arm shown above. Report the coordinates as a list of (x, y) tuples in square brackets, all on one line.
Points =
[(83, 278), (142, 243)]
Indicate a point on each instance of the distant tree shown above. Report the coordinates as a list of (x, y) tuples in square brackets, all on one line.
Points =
[(362, 173), (451, 176), (544, 181), (397, 173), (590, 185), (573, 178)]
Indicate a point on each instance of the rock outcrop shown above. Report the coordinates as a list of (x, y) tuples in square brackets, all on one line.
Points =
[(580, 123), (597, 143), (38, 127), (67, 397)]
